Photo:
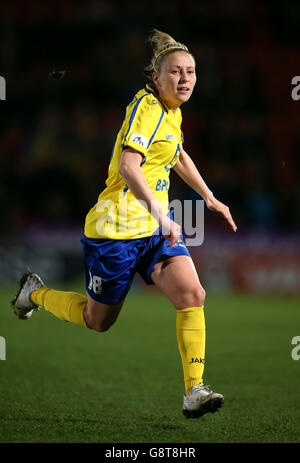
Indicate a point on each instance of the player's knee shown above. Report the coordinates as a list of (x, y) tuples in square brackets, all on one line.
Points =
[(97, 324), (100, 317), (194, 297), (202, 296), (101, 326), (198, 295)]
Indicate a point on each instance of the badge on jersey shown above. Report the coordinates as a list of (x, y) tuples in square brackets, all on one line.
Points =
[(140, 139)]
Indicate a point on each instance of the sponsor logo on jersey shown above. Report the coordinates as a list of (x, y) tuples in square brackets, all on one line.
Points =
[(140, 139), (170, 137), (133, 101), (154, 101)]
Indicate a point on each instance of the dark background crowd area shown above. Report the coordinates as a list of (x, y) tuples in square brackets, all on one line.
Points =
[(241, 126)]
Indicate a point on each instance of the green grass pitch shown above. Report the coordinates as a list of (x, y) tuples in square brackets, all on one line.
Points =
[(64, 383)]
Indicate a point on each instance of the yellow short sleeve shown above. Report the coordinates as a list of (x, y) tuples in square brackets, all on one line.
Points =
[(144, 119)]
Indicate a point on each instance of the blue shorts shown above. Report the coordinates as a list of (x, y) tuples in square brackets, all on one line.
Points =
[(110, 264)]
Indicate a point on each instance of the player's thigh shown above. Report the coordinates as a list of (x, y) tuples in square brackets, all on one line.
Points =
[(177, 278), (99, 316)]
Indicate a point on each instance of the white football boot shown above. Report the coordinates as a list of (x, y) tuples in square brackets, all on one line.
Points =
[(22, 304), (201, 400)]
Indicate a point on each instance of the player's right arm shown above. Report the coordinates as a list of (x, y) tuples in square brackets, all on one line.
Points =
[(129, 168)]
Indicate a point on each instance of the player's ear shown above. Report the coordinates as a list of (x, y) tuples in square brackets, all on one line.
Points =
[(155, 78)]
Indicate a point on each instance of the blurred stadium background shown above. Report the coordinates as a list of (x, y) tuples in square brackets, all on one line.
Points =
[(241, 128)]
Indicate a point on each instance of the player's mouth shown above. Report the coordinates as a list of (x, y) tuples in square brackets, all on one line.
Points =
[(183, 90)]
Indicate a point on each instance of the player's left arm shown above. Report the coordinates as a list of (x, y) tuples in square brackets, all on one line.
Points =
[(189, 173)]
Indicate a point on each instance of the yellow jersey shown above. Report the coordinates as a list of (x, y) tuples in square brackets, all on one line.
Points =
[(155, 131)]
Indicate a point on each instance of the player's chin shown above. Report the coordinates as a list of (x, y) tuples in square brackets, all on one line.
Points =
[(183, 96)]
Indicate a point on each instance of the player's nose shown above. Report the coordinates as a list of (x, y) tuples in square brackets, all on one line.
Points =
[(183, 77)]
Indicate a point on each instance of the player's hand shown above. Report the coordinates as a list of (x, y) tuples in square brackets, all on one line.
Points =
[(171, 231), (216, 206)]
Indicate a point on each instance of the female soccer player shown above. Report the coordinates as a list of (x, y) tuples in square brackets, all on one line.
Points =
[(130, 229)]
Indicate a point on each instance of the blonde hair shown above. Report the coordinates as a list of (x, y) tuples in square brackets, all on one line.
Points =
[(162, 45)]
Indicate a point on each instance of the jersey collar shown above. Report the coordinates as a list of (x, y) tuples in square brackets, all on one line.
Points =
[(150, 89)]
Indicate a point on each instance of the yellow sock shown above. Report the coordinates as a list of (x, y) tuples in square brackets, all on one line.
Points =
[(68, 306), (190, 331)]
